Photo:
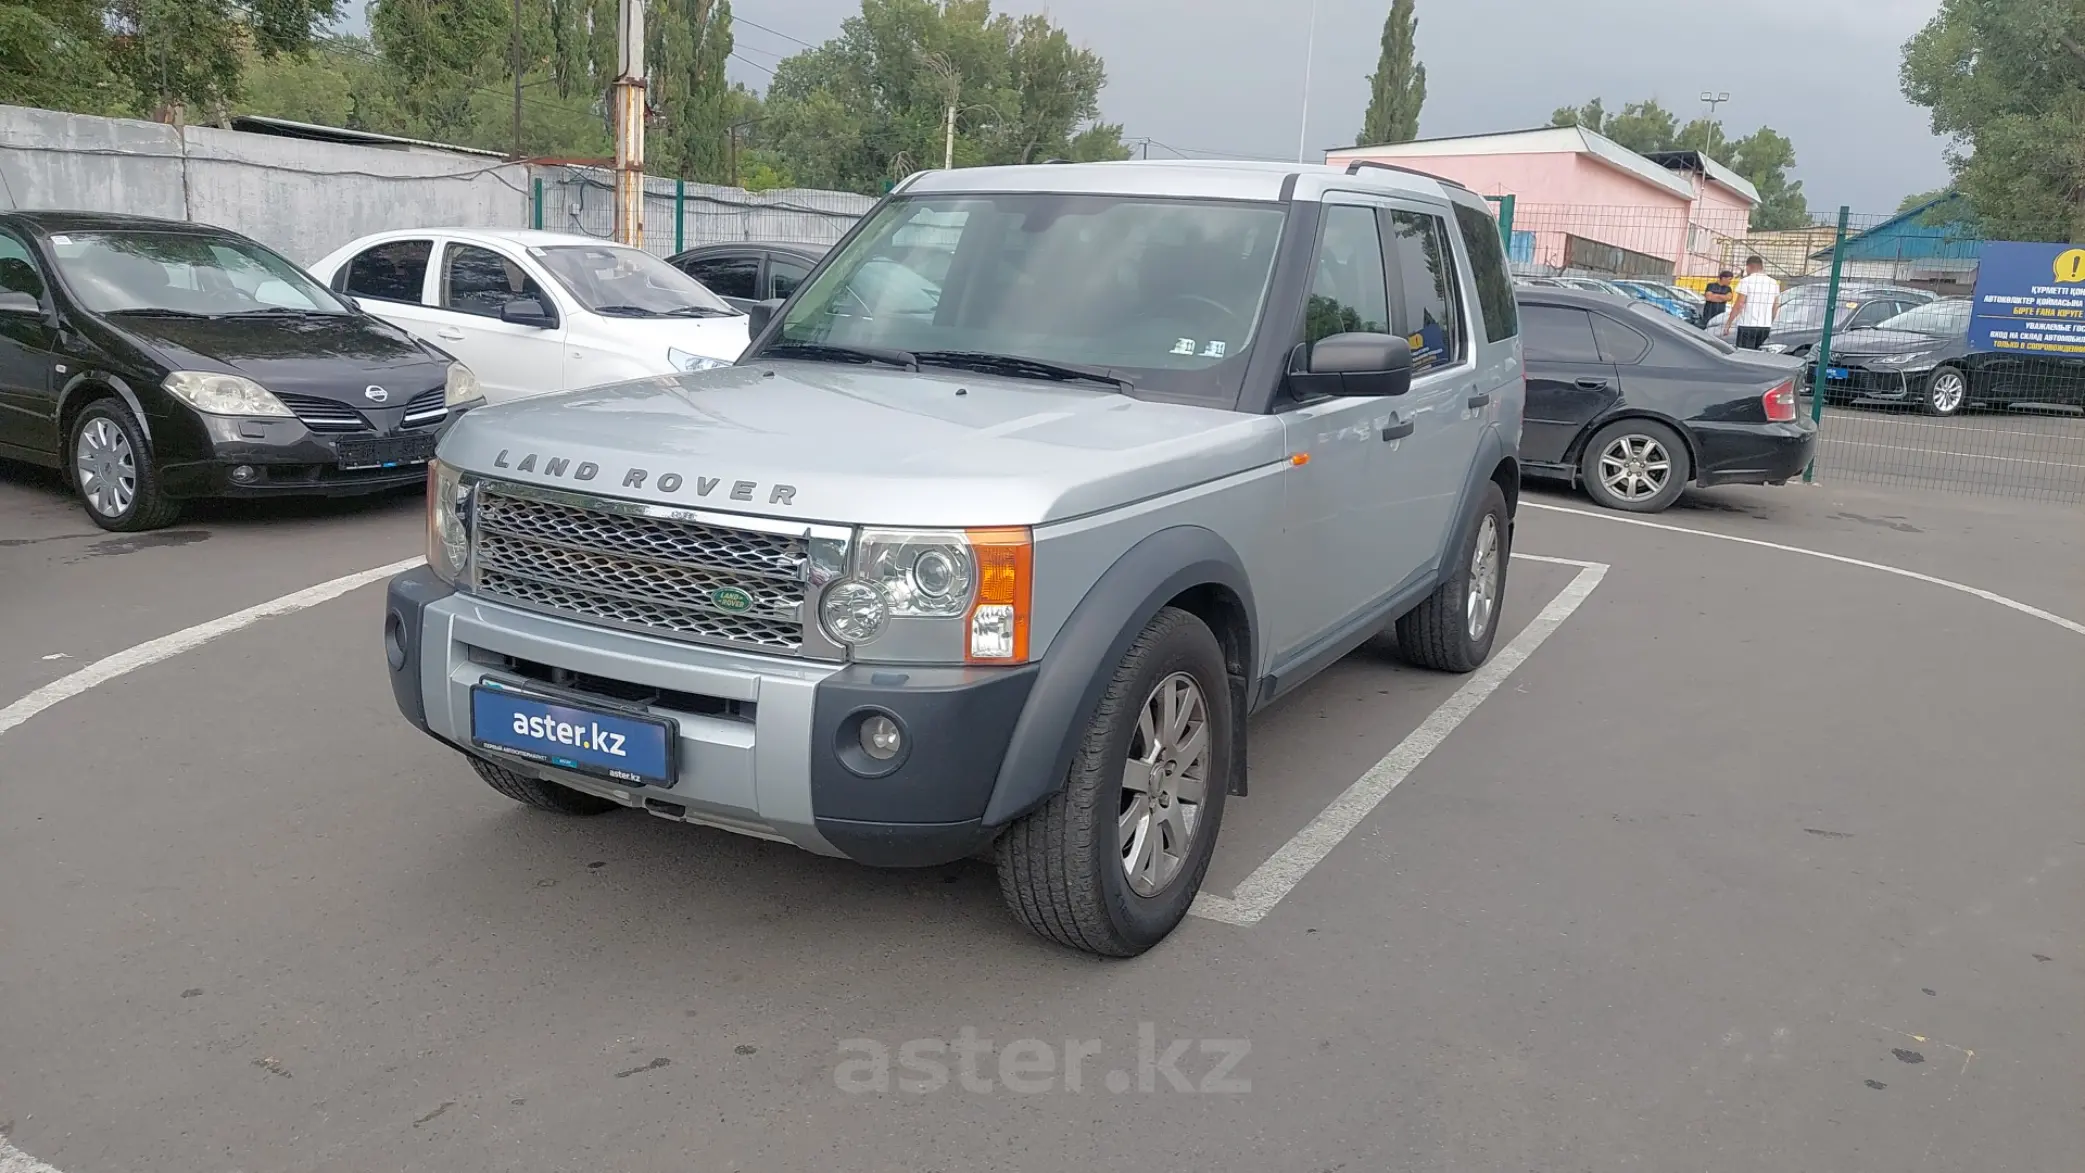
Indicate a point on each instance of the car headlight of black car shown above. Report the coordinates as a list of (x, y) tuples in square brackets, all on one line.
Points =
[(218, 394), (1912, 360)]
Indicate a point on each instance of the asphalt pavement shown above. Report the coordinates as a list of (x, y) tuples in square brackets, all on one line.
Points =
[(2027, 451), (1760, 861)]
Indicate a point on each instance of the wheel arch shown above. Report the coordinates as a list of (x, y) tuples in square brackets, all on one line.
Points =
[(84, 388), (1575, 456)]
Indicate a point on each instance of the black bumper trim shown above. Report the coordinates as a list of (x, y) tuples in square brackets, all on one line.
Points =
[(405, 605), (906, 845), (955, 723)]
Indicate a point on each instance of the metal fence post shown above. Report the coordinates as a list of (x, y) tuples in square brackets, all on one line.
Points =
[(1506, 223), (536, 205), (680, 201), (1824, 341)]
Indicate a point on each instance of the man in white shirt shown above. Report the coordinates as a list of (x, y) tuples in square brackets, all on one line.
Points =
[(1752, 306)]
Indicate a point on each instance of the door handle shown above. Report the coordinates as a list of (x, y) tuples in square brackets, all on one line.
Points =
[(452, 334), (1399, 431), (1480, 402), (1592, 384)]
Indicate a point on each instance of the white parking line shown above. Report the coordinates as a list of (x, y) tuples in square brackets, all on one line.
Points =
[(1948, 452), (1978, 592), (1277, 877), (152, 652)]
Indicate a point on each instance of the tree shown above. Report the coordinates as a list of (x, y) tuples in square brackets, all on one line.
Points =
[(1920, 199), (54, 53), (877, 102), (179, 55), (1764, 157), (687, 44), (2005, 81), (1397, 89), (440, 54)]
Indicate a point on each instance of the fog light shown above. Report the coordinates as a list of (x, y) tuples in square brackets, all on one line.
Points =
[(881, 738), (245, 474)]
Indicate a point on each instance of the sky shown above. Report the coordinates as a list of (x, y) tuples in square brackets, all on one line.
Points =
[(1226, 76)]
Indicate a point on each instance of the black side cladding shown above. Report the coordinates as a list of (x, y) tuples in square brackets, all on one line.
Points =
[(1083, 656)]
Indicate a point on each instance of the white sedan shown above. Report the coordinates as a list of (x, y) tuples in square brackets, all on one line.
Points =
[(533, 312)]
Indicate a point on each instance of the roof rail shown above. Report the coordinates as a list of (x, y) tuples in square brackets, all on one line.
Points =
[(1359, 165)]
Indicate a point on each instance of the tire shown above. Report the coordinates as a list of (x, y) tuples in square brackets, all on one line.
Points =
[(109, 466), (1946, 393), (1454, 629), (1064, 868), (535, 792), (1634, 454)]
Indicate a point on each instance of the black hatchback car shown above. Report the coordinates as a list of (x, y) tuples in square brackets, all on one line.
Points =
[(155, 361), (1635, 405)]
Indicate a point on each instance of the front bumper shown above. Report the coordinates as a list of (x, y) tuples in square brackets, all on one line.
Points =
[(764, 742), (1753, 454), (1892, 383), (285, 458)]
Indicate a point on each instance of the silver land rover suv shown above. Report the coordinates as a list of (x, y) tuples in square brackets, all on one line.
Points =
[(999, 531)]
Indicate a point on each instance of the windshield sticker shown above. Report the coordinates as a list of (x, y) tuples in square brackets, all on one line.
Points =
[(61, 241), (1184, 346), (1213, 350)]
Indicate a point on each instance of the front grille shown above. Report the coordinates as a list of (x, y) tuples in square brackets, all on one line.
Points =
[(425, 408), (659, 575), (324, 415)]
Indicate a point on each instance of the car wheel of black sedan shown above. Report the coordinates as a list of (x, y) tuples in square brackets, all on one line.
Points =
[(112, 469), (1947, 392), (1638, 466)]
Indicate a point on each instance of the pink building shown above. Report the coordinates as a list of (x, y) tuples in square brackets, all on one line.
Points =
[(1585, 203)]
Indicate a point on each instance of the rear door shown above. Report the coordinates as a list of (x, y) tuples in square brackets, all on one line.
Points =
[(390, 280), (1570, 382), (512, 361)]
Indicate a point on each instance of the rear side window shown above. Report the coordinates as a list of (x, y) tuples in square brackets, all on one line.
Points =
[(1425, 278), (1619, 344), (1480, 234), (1348, 294), (1558, 334), (727, 276), (783, 276), (390, 272)]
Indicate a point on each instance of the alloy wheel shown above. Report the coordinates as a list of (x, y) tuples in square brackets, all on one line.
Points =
[(1164, 784), (106, 467), (1484, 579), (1635, 467), (1949, 390)]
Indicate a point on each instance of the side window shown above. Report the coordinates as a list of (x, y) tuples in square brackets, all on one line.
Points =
[(1349, 294), (728, 276), (390, 272), (1480, 235), (19, 272), (1426, 279), (1558, 334), (783, 276), (479, 281), (1619, 344)]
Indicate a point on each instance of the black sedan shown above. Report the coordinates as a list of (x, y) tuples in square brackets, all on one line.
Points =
[(154, 361), (1635, 405), (745, 273), (1800, 324), (1923, 357)]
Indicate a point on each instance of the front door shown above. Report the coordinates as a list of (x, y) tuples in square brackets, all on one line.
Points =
[(512, 361), (1570, 384), (28, 354)]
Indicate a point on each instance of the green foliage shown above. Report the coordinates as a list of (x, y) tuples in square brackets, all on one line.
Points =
[(54, 54), (1765, 157), (1397, 89), (2005, 80), (873, 104), (438, 54), (178, 56), (1919, 199), (687, 43)]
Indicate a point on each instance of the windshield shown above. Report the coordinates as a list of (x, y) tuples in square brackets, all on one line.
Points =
[(1941, 319), (184, 273), (1160, 292), (624, 282)]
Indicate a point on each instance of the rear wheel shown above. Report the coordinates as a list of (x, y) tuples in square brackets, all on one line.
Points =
[(1639, 466), (1947, 392), (1453, 630), (535, 792), (112, 470)]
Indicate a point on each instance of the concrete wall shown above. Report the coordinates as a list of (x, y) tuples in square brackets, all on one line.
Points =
[(582, 200), (299, 197)]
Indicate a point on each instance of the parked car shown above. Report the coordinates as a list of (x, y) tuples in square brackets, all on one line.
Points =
[(747, 273), (1657, 296), (1923, 356), (154, 362), (1594, 285), (1009, 574), (1799, 324), (1635, 406), (534, 312)]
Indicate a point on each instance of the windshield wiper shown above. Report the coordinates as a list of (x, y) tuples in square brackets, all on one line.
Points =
[(626, 311), (280, 311), (698, 311), (1022, 368), (828, 352), (155, 312)]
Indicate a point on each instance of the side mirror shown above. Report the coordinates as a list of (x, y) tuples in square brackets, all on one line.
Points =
[(527, 311), (1356, 364), (17, 304), (760, 313)]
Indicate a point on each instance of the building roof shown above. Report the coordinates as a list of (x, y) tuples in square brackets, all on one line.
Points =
[(1916, 233), (1547, 140), (285, 128), (1702, 162)]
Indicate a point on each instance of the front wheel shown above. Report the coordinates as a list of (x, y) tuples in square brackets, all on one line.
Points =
[(1637, 465), (1947, 392), (112, 470), (1111, 862)]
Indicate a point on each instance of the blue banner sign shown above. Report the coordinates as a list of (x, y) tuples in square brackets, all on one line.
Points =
[(2030, 298)]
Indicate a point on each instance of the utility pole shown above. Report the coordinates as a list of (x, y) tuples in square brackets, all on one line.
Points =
[(948, 142), (517, 79), (629, 124), (1310, 52)]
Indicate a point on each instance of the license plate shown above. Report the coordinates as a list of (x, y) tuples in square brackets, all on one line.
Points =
[(622, 747), (1837, 374), (387, 452)]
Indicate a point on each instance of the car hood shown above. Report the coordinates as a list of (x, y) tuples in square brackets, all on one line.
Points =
[(854, 445), (1858, 342), (334, 356), (722, 338)]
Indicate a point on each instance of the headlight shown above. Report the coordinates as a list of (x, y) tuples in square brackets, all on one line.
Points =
[(1898, 360), (1775, 348), (448, 522), (935, 596), (460, 386), (681, 360), (223, 394)]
